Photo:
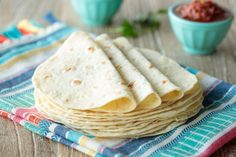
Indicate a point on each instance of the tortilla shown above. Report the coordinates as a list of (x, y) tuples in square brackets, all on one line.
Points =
[(81, 68), (143, 92), (99, 119), (182, 103), (178, 75), (154, 128), (163, 86)]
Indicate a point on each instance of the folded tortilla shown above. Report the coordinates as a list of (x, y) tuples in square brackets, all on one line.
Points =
[(142, 90), (163, 86), (178, 75), (80, 76)]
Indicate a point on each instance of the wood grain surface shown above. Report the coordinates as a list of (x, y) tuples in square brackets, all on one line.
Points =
[(17, 141)]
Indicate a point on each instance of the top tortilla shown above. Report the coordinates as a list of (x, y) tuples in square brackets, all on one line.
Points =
[(80, 76)]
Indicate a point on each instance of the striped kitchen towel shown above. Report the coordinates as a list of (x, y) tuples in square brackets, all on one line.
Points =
[(26, 45)]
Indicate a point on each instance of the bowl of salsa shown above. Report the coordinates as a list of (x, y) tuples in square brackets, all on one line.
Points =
[(199, 25)]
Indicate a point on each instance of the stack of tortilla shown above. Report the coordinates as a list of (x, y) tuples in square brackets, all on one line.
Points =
[(109, 88)]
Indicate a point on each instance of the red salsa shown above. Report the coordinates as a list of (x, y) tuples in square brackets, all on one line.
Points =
[(202, 11)]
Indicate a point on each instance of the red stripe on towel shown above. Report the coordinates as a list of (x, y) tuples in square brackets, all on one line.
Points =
[(219, 143), (2, 38)]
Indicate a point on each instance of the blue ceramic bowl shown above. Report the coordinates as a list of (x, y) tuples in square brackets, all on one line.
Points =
[(198, 38), (96, 12)]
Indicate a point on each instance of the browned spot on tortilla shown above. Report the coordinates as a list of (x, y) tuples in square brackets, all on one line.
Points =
[(110, 58), (91, 49), (47, 77), (76, 82), (118, 67), (103, 62), (131, 84), (66, 100), (151, 66), (164, 81), (69, 69)]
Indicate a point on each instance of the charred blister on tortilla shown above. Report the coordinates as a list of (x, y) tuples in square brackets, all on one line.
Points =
[(123, 83), (164, 81), (131, 84), (46, 77), (118, 67), (68, 69), (76, 82), (91, 49), (67, 100), (151, 66)]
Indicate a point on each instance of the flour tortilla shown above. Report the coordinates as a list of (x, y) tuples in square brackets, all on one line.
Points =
[(84, 124), (163, 86), (90, 114), (151, 129), (154, 128), (178, 75), (142, 90), (118, 129), (80, 76), (126, 134), (96, 119), (94, 116)]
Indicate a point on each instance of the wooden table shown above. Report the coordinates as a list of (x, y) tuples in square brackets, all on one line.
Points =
[(17, 141)]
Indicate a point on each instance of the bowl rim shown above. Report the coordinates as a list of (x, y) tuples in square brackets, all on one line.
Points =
[(172, 14)]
